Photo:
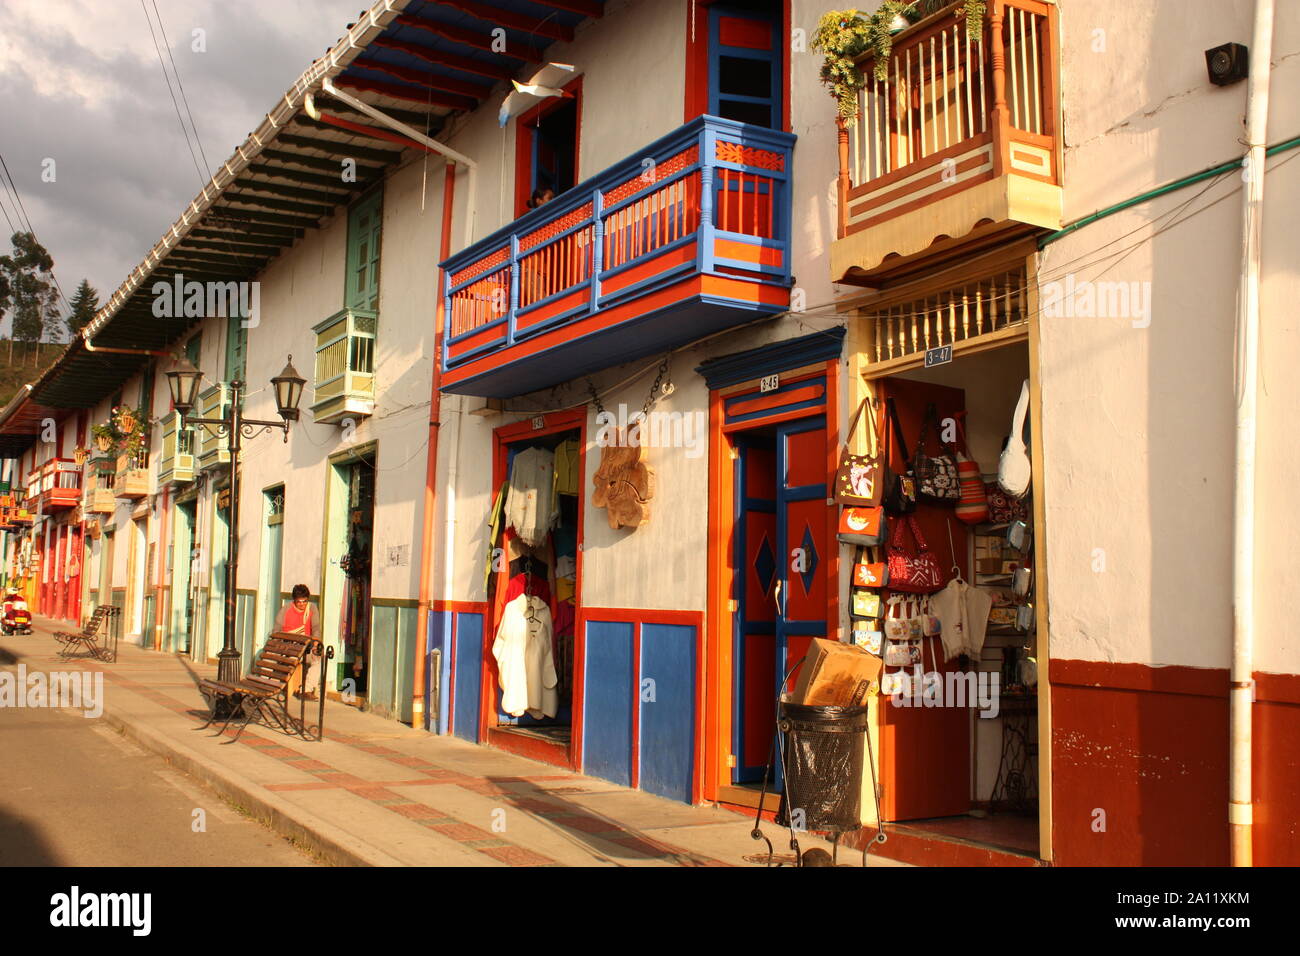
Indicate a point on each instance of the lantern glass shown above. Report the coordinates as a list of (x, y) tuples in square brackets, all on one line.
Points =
[(288, 391), (183, 381)]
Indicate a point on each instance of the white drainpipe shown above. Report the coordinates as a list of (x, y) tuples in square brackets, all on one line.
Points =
[(1242, 692), (413, 134)]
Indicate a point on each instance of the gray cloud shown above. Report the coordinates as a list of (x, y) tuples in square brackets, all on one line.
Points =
[(80, 83)]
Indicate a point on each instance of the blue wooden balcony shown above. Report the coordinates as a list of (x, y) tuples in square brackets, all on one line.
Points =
[(684, 238)]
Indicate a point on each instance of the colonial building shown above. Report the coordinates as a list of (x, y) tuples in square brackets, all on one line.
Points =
[(662, 227)]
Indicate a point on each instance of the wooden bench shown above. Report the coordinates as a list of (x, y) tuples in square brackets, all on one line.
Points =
[(264, 693), (89, 637)]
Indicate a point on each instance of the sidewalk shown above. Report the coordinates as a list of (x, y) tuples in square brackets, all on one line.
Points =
[(377, 793)]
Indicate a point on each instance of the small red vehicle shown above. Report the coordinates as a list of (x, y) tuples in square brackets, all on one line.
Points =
[(15, 618)]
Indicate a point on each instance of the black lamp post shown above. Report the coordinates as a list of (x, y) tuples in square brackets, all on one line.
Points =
[(184, 384)]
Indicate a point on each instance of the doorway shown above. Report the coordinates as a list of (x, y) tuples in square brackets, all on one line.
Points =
[(182, 603), (534, 591), (970, 773), (778, 549), (137, 582), (272, 562), (345, 593)]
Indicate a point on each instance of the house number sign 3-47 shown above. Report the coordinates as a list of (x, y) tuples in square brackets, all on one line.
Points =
[(940, 356)]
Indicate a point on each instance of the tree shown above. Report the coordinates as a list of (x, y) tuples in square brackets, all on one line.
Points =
[(85, 302), (27, 290)]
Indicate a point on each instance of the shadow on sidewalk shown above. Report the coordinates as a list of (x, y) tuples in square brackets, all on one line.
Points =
[(605, 837)]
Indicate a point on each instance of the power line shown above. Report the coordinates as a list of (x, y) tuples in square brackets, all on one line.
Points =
[(172, 93), (179, 85)]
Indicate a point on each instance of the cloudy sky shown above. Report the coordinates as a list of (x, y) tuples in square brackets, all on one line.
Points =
[(81, 84)]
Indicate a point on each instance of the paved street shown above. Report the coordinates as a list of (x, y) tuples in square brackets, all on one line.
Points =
[(75, 792)]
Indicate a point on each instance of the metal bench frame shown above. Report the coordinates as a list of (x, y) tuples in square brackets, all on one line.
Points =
[(263, 695)]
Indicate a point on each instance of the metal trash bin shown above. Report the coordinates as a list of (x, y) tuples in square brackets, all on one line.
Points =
[(822, 759)]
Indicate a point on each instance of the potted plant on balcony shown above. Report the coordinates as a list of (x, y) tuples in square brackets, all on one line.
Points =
[(843, 36), (106, 436), (127, 419)]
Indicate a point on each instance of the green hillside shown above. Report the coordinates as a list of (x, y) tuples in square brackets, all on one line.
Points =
[(22, 362)]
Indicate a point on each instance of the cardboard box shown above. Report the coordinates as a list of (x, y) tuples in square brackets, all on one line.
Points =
[(835, 674)]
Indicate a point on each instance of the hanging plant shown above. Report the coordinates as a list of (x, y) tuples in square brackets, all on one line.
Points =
[(106, 436), (843, 36), (80, 454), (127, 419)]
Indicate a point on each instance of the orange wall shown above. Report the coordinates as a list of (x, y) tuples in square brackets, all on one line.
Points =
[(1149, 747)]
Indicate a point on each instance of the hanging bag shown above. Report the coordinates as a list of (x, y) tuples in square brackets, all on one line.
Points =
[(973, 508), (1013, 468), (869, 571), (860, 478), (900, 487), (915, 573), (936, 476), (862, 526)]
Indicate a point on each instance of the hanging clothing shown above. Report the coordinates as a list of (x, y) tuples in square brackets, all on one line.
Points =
[(964, 613), (496, 526), (530, 504), (568, 480), (525, 659)]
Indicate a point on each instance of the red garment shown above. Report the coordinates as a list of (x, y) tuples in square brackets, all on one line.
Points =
[(537, 587)]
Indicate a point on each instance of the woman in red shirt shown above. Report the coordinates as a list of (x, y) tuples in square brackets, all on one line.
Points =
[(299, 617)]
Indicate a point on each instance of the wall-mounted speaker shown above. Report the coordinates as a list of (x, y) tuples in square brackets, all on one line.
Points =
[(1227, 64)]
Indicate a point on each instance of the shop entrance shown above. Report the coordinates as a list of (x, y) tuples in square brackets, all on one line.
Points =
[(534, 578), (779, 545), (345, 593), (969, 772), (182, 605)]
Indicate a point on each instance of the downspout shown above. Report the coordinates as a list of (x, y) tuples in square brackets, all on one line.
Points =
[(424, 612), (1242, 692), (413, 134)]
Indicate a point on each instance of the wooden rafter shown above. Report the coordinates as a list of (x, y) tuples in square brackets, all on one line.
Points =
[(307, 209), (334, 196), (425, 78), (537, 26), (336, 147), (322, 163), (587, 8), (466, 64), (470, 38), (408, 94)]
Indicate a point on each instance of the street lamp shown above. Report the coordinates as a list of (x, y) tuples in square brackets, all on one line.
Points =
[(183, 381)]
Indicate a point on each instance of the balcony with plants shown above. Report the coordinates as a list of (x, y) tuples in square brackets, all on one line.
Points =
[(948, 128), (681, 239)]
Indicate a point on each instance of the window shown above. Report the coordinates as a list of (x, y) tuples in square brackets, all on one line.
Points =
[(365, 224), (236, 348), (546, 146), (745, 63)]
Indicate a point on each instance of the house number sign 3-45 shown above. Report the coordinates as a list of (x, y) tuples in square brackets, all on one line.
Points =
[(769, 383)]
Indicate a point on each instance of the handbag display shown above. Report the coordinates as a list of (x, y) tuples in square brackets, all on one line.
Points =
[(973, 507), (936, 476), (870, 574), (900, 487), (860, 478), (862, 526), (866, 604), (869, 637), (916, 573), (1013, 468)]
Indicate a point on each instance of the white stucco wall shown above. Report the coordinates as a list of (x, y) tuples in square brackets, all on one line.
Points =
[(1138, 421)]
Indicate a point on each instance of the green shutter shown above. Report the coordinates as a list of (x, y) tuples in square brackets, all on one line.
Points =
[(236, 346), (192, 348), (365, 223)]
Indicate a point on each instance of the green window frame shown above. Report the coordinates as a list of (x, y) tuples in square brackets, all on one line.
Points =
[(365, 229), (236, 348)]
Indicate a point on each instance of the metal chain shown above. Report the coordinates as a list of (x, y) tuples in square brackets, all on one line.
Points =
[(595, 399), (654, 389)]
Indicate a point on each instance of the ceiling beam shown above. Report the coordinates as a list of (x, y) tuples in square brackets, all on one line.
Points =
[(297, 175), (470, 38), (586, 8), (364, 173), (424, 94), (257, 216), (419, 119), (335, 147), (535, 26), (242, 226), (454, 61), (313, 210), (230, 240), (330, 196), (426, 78)]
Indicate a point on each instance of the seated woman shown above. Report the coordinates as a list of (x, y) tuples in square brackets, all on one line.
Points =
[(299, 617)]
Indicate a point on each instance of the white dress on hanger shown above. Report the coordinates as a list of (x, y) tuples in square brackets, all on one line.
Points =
[(530, 504), (525, 659)]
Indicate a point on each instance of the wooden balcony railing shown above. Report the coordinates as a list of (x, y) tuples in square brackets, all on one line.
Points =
[(952, 110), (710, 199), (345, 366), (176, 460), (132, 479)]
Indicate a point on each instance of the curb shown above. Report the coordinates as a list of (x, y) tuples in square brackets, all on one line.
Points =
[(333, 845)]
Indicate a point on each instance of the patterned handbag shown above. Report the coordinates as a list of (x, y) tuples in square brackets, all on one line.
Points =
[(916, 573), (860, 478), (1004, 508), (900, 487), (973, 508), (936, 476)]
